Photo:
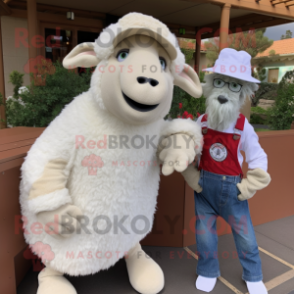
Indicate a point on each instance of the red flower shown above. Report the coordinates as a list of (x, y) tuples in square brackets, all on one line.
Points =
[(180, 105), (198, 114), (185, 114), (190, 116)]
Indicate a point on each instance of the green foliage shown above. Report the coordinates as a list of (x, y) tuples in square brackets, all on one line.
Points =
[(288, 35), (286, 79), (260, 73), (258, 110), (16, 79), (260, 115), (272, 53), (189, 104), (281, 115), (257, 119), (188, 54), (212, 51), (41, 104), (253, 42), (202, 76), (261, 130), (265, 91), (1, 103)]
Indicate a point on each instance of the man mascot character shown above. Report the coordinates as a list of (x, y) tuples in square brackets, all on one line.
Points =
[(220, 188)]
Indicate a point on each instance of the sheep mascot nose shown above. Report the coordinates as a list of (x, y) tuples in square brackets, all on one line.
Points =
[(144, 80)]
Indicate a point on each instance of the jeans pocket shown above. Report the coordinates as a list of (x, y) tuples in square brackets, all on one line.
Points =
[(238, 193), (200, 182)]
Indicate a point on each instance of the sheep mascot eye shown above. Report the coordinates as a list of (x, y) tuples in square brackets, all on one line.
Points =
[(162, 62), (122, 55)]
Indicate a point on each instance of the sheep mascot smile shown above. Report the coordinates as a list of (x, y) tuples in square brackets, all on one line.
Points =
[(90, 182), (220, 189)]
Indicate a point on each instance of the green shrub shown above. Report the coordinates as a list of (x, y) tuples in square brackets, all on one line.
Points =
[(260, 73), (258, 110), (261, 130), (16, 79), (1, 104), (201, 76), (281, 115), (256, 119), (288, 78), (41, 104), (189, 104), (265, 91)]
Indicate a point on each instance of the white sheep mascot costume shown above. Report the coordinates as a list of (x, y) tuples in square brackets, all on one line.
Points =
[(90, 182), (220, 189)]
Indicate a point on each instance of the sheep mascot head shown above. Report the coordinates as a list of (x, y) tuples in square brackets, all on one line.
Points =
[(137, 63), (227, 88), (75, 171)]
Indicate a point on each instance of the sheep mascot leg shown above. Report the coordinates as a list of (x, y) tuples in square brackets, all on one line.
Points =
[(90, 182), (220, 188)]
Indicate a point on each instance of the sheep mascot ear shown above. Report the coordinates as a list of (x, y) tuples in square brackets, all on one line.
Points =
[(188, 81), (83, 55)]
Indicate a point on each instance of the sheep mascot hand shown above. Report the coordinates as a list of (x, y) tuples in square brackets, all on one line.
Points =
[(90, 182), (220, 188)]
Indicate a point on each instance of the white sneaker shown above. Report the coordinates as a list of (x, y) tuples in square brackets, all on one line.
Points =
[(256, 287), (205, 284)]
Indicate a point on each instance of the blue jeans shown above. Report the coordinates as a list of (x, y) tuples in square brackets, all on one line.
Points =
[(219, 197)]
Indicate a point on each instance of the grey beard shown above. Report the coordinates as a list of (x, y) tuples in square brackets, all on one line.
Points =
[(221, 120)]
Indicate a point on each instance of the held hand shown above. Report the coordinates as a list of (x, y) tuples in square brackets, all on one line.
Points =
[(257, 179), (62, 222), (178, 153)]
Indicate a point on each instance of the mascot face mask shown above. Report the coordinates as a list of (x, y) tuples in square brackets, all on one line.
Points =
[(139, 90), (137, 63)]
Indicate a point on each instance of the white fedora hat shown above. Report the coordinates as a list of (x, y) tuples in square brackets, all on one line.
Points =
[(233, 63)]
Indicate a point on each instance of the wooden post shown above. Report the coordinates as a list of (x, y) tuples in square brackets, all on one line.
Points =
[(224, 26), (223, 43), (32, 29), (2, 84), (197, 52)]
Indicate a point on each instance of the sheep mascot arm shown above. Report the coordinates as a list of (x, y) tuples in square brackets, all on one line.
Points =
[(89, 183)]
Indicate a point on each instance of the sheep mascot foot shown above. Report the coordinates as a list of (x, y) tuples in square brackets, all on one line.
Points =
[(145, 275), (51, 281)]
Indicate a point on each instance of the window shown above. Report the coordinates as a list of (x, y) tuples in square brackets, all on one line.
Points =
[(58, 44), (273, 75)]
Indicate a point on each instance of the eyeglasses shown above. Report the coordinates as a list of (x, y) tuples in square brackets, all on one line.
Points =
[(233, 86)]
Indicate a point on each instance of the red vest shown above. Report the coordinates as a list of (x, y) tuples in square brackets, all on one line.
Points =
[(220, 150)]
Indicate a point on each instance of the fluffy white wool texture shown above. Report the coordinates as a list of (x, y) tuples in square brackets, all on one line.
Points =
[(123, 187), (117, 190), (220, 116)]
